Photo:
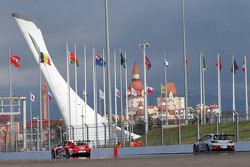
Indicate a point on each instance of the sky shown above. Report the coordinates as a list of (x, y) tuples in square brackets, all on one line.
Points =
[(212, 26)]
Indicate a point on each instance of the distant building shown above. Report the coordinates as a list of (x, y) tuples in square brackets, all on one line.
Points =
[(175, 103)]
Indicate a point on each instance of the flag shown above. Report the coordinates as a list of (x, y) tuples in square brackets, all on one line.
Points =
[(84, 94), (101, 94), (73, 59), (15, 60), (243, 68), (234, 67), (148, 64), (99, 60), (123, 61), (44, 58), (32, 97), (150, 90), (163, 89), (133, 92), (219, 64), (117, 92), (166, 62), (50, 96), (204, 64)]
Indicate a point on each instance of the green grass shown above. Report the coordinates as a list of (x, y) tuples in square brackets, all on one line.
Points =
[(189, 133)]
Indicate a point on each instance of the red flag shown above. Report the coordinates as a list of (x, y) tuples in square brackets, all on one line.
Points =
[(73, 59), (219, 64), (15, 60), (243, 67), (150, 90), (148, 64)]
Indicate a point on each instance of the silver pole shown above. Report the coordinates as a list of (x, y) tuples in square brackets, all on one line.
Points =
[(75, 87), (203, 89), (95, 105), (49, 122), (11, 103), (126, 85), (144, 45), (166, 85), (121, 101), (40, 100), (219, 86), (85, 82), (68, 83), (246, 94), (108, 64), (233, 87), (115, 95), (162, 138), (184, 60), (104, 90), (31, 126)]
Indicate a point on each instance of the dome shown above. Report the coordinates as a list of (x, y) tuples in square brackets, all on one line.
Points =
[(136, 81)]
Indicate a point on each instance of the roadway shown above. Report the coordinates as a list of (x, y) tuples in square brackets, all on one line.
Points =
[(171, 160)]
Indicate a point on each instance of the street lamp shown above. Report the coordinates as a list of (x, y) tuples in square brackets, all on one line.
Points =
[(144, 45)]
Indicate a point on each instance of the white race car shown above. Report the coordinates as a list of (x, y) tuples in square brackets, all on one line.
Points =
[(214, 142)]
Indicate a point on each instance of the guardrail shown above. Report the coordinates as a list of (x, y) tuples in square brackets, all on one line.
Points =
[(122, 152)]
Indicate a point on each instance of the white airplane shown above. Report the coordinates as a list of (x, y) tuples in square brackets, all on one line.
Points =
[(59, 87)]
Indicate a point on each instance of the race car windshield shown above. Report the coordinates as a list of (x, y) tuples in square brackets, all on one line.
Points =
[(221, 137)]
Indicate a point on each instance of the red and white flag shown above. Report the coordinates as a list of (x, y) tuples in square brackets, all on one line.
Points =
[(15, 60), (32, 97), (150, 90)]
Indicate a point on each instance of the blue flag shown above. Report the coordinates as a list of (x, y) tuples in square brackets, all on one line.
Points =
[(99, 60)]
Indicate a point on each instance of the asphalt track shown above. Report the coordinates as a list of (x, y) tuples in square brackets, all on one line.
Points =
[(169, 160)]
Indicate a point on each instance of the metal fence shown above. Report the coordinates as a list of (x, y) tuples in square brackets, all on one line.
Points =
[(175, 132)]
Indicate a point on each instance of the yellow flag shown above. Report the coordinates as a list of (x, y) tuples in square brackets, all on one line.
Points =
[(163, 89)]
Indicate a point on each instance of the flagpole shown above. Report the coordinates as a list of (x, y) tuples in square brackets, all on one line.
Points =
[(246, 94), (199, 115), (144, 45), (31, 126), (68, 83), (115, 96), (121, 99), (40, 101), (185, 59), (162, 138), (104, 90), (233, 71), (219, 85), (11, 102), (76, 85), (48, 98), (166, 83), (126, 84), (108, 66), (95, 105), (203, 89), (85, 82)]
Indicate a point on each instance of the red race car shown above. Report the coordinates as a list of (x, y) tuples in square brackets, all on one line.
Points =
[(71, 148)]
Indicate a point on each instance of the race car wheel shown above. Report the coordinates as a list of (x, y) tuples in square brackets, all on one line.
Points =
[(53, 154), (207, 149), (67, 154)]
